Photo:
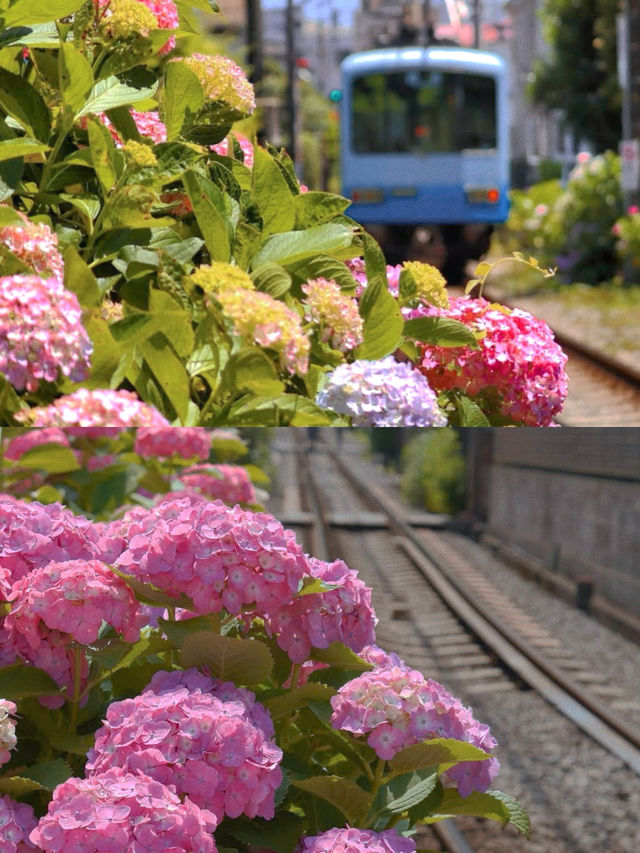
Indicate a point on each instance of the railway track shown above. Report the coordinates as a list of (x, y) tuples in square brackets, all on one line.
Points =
[(450, 622)]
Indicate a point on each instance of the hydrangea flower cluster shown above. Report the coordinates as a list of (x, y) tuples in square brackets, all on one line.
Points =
[(33, 535), (67, 601), (118, 811), (228, 483), (122, 18), (430, 283), (36, 245), (222, 80), (351, 840), (20, 444), (383, 393), (165, 442), (269, 323), (216, 277), (397, 707), (88, 408), (379, 657), (341, 614), (225, 148), (216, 555), (517, 356), (41, 334), (17, 821), (336, 313), (206, 745), (8, 738)]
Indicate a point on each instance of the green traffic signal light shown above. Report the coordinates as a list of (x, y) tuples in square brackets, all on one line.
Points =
[(335, 95)]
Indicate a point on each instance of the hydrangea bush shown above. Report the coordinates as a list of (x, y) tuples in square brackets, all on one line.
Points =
[(157, 266), (177, 674)]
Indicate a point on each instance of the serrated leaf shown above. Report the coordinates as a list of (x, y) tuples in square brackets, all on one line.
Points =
[(272, 279), (122, 90), (440, 332), (282, 834), (177, 632), (299, 697), (436, 752), (343, 794), (493, 805), (470, 414), (28, 12), (272, 194), (76, 78), (184, 98), (339, 655), (103, 154), (294, 246), (23, 103), (79, 279), (314, 208), (21, 147), (20, 681), (312, 586), (50, 457), (245, 662), (407, 791), (36, 35), (210, 219)]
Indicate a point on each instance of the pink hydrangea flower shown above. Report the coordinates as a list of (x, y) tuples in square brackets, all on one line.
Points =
[(216, 555), (225, 147), (210, 740), (33, 535), (118, 811), (165, 13), (62, 602), (517, 357), (228, 483), (381, 658), (397, 707), (36, 245), (8, 738), (92, 408), (334, 312), (94, 432), (17, 820), (341, 614), (31, 438), (351, 840), (185, 442), (41, 333)]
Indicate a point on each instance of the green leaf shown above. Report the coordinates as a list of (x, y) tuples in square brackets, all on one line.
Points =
[(470, 414), (53, 458), (20, 681), (436, 752), (172, 320), (41, 777), (287, 409), (324, 266), (314, 208), (440, 332), (407, 791), (245, 662), (272, 279), (38, 35), (299, 697), (116, 91), (20, 147), (210, 219), (79, 279), (282, 834), (24, 13), (339, 655), (106, 352), (493, 805), (383, 321), (103, 155), (23, 103), (76, 77), (252, 371), (184, 98), (343, 794), (272, 194), (169, 372), (174, 159), (150, 594), (178, 632), (295, 246)]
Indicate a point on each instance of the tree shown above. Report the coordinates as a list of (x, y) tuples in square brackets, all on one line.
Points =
[(579, 75)]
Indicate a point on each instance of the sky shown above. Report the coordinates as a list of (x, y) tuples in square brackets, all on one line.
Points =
[(320, 8)]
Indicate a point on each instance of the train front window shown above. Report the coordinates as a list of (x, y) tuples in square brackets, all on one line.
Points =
[(423, 112)]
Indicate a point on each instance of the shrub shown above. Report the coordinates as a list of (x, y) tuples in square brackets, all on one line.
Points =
[(434, 472)]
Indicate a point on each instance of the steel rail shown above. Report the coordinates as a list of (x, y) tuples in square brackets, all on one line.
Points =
[(543, 676), (445, 830)]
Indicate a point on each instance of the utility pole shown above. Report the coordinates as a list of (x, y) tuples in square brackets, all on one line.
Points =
[(254, 40), (476, 12), (427, 26), (291, 77), (629, 78)]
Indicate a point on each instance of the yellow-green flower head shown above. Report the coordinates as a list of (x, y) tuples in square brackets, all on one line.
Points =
[(139, 155), (430, 281), (268, 323), (216, 278), (124, 18), (222, 80)]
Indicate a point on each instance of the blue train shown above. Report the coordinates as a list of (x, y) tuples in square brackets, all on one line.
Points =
[(425, 150)]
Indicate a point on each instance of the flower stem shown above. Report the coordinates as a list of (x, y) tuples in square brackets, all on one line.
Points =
[(77, 679)]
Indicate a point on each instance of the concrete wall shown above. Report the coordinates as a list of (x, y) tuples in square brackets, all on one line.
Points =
[(572, 499)]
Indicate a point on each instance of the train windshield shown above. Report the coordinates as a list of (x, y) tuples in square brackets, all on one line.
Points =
[(420, 112)]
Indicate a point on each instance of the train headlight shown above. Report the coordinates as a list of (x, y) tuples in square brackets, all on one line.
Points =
[(483, 195)]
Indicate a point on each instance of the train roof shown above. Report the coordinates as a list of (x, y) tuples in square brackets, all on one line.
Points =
[(458, 58)]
